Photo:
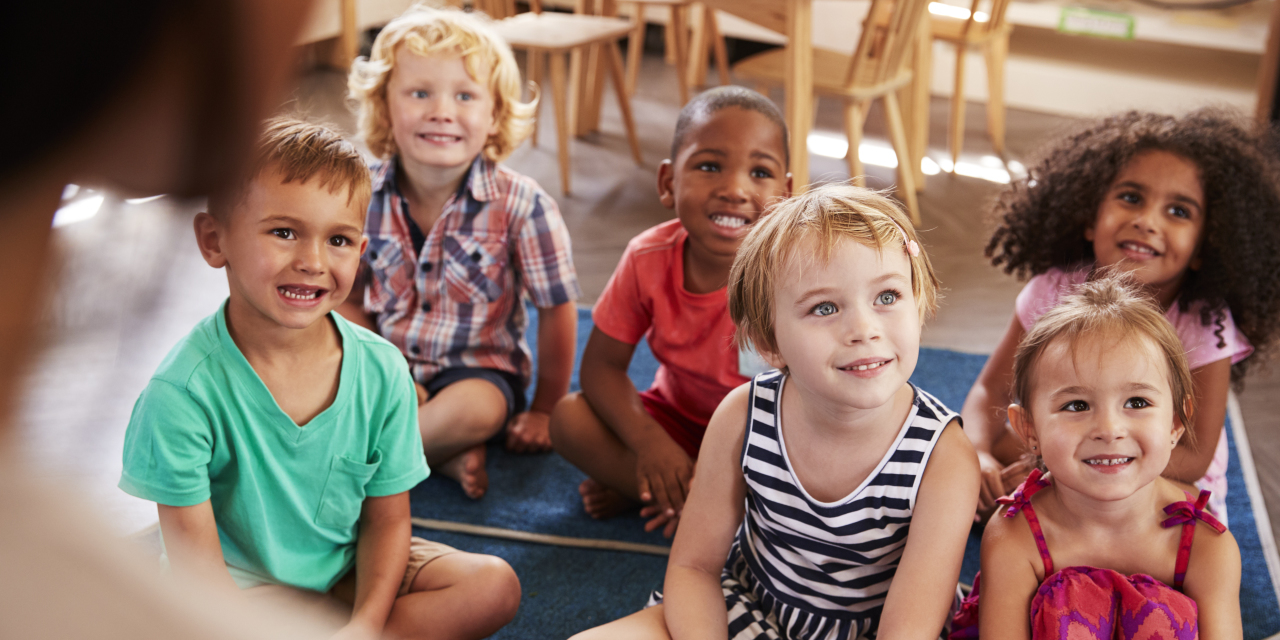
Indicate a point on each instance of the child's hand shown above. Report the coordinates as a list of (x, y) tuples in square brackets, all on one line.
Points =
[(992, 483), (422, 393), (529, 432), (663, 475), (659, 519)]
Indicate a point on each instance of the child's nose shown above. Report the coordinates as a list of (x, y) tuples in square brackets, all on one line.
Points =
[(309, 258), (735, 187), (860, 325), (1108, 427), (441, 109)]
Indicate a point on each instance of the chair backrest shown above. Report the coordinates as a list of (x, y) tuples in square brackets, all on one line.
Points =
[(888, 33)]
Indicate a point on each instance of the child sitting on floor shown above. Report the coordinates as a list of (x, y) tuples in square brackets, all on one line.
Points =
[(728, 163), (1102, 546), (456, 240), (278, 439), (839, 492), (1188, 205)]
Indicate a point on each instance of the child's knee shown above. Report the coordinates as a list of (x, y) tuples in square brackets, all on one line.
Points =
[(568, 417), (500, 586)]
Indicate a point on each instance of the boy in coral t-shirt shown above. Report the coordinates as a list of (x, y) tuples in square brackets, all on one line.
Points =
[(729, 160)]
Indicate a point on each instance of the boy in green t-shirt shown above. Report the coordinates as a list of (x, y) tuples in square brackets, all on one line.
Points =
[(280, 441)]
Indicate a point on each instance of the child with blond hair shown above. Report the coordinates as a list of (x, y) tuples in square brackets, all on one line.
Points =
[(458, 241), (840, 493), (278, 440)]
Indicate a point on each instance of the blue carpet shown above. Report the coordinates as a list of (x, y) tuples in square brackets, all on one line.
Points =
[(568, 590)]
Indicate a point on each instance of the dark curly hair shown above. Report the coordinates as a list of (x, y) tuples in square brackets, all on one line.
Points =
[(1042, 218)]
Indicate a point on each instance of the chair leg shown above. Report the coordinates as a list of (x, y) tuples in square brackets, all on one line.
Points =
[(680, 30), (635, 49), (955, 134), (717, 44), (918, 124), (855, 114), (996, 53), (697, 50), (906, 176), (533, 61), (624, 100), (558, 95)]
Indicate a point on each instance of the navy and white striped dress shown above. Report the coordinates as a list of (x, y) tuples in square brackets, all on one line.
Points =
[(810, 570)]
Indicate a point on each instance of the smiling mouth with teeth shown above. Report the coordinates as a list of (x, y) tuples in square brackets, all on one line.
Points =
[(865, 367), (732, 222), (300, 294), (1130, 246), (1108, 462)]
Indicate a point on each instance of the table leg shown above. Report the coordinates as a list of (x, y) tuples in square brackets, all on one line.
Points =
[(799, 87), (562, 121)]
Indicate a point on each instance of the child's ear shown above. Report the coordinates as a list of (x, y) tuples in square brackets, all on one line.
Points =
[(1088, 232), (208, 238), (1020, 420), (789, 185), (364, 244), (666, 184)]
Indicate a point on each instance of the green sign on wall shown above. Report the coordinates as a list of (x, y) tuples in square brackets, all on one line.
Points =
[(1091, 22)]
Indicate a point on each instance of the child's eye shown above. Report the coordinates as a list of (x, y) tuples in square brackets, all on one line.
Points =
[(708, 166), (418, 93), (283, 234), (824, 309), (465, 97), (340, 241), (1131, 197), (1137, 403), (1179, 212), (1075, 406), (887, 297), (764, 174)]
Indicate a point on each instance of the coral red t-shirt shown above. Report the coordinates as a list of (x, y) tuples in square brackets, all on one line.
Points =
[(690, 334)]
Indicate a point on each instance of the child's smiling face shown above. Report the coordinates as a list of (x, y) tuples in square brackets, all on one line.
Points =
[(441, 117), (732, 164), (848, 330), (1150, 221), (1101, 414), (291, 250)]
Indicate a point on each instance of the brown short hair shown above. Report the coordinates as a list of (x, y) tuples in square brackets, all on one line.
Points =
[(426, 32), (1112, 305), (302, 151), (824, 215)]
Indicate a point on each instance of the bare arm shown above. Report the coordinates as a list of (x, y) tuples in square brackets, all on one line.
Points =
[(694, 603), (1211, 384), (382, 553), (529, 431), (1213, 581), (664, 470), (984, 413), (925, 583), (191, 542), (1009, 579)]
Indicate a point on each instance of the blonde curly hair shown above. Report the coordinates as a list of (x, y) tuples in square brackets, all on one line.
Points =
[(428, 32)]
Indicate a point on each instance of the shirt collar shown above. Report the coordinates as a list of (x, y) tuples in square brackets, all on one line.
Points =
[(481, 179)]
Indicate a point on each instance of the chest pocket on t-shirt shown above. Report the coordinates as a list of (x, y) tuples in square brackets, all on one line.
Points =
[(392, 277), (343, 494), (473, 268)]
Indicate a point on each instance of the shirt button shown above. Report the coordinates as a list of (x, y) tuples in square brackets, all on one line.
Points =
[(373, 255), (426, 307), (414, 350), (475, 256), (427, 267)]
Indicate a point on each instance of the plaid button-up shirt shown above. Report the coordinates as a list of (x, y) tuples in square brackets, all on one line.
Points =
[(459, 303)]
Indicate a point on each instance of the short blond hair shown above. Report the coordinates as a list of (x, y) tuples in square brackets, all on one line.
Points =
[(1111, 306), (301, 151), (818, 219), (428, 32)]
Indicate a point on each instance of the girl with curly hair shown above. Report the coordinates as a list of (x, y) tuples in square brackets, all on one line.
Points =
[(1189, 207)]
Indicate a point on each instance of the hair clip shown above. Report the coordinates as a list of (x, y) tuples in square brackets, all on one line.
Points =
[(912, 247)]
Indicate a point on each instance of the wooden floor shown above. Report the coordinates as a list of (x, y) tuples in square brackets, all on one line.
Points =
[(131, 282)]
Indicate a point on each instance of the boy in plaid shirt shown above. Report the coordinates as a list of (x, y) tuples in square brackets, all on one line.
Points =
[(456, 240)]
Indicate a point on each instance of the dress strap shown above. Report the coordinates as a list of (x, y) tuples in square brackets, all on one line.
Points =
[(1021, 501), (1186, 513)]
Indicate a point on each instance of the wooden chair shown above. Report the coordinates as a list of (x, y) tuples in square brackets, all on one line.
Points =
[(878, 68), (554, 35), (689, 50), (993, 36)]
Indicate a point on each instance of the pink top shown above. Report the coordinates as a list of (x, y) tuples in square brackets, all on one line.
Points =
[(1202, 342), (1079, 603), (690, 334), (1204, 345)]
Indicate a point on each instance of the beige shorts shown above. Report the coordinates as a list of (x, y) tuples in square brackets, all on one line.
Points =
[(337, 602)]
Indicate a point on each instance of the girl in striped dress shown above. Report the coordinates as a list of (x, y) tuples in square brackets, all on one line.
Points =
[(840, 494)]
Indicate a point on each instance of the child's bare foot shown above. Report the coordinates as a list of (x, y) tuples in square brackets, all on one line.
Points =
[(468, 469), (602, 502), (529, 432)]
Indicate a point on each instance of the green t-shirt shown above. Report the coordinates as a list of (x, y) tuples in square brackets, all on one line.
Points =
[(286, 499)]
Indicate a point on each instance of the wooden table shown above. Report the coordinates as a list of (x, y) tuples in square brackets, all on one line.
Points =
[(794, 19)]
